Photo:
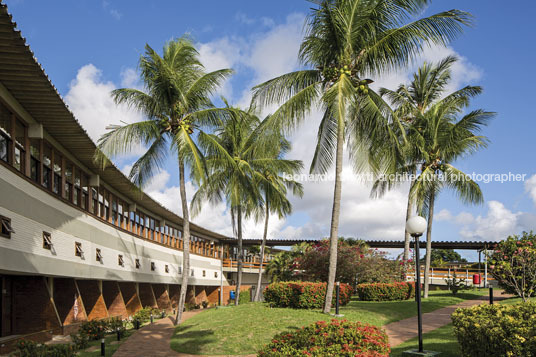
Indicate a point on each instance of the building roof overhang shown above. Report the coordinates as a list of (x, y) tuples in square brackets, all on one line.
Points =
[(28, 83)]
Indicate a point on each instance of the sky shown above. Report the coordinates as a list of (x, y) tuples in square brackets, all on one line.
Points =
[(90, 47)]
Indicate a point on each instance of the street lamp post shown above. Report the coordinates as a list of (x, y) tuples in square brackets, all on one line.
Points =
[(416, 226)]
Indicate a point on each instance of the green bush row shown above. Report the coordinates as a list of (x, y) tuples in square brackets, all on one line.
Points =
[(28, 348), (496, 330), (386, 291), (302, 295), (336, 338)]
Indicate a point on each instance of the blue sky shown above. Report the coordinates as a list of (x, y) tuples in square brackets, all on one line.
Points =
[(90, 47)]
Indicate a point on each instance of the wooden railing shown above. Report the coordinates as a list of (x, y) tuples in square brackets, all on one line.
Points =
[(440, 274), (228, 263)]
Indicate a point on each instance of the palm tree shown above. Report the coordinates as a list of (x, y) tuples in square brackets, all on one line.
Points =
[(428, 86), (345, 41), (441, 139), (274, 188), (176, 104), (239, 153)]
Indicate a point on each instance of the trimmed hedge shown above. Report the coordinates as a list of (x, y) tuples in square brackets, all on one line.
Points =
[(336, 338), (303, 295), (386, 291), (496, 330)]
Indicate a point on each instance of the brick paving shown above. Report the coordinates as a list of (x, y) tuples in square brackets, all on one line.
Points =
[(404, 330), (152, 340)]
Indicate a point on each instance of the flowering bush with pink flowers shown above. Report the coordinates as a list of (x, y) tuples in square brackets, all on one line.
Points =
[(386, 291), (302, 295), (336, 338), (513, 265)]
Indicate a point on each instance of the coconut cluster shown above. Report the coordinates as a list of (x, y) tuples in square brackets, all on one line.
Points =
[(332, 74)]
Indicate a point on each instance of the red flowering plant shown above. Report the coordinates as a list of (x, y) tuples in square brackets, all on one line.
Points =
[(386, 291), (513, 265), (302, 295), (336, 338), (356, 263)]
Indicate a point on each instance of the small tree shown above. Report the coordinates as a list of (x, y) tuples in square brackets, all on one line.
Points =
[(456, 284), (513, 265), (356, 263)]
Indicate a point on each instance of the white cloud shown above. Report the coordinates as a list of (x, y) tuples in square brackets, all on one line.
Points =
[(530, 187), (498, 223), (90, 101)]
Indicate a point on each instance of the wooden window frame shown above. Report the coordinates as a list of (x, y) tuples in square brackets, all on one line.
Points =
[(6, 224), (138, 264), (120, 260), (153, 266), (47, 240), (167, 268), (78, 251), (98, 255)]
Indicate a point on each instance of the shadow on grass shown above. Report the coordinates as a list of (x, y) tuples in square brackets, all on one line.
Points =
[(191, 341), (441, 340)]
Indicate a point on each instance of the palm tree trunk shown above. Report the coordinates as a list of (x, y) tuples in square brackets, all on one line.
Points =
[(259, 279), (428, 245), (334, 233), (186, 244), (409, 211), (240, 258)]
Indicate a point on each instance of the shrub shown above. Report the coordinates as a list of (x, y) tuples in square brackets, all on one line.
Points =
[(80, 340), (355, 260), (245, 296), (28, 348), (386, 291), (336, 338), (456, 284), (496, 330), (302, 295), (513, 264), (144, 314), (94, 330)]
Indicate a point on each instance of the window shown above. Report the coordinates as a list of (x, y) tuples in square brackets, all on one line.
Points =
[(192, 273), (35, 159), (68, 186), (20, 147), (153, 266), (85, 192), (47, 241), (204, 273), (6, 227), (47, 164), (180, 270), (78, 250), (138, 264), (167, 268), (95, 201), (5, 134), (120, 260), (77, 195), (56, 184), (215, 274), (98, 255)]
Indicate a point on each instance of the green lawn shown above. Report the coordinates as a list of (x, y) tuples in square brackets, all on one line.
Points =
[(246, 328), (440, 340)]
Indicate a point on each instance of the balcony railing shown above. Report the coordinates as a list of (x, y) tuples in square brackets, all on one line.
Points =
[(440, 274), (228, 263)]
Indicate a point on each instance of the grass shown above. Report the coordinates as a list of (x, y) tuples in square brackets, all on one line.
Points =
[(440, 340), (246, 328)]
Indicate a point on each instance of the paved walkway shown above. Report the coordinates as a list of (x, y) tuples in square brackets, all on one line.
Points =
[(404, 330), (152, 340)]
